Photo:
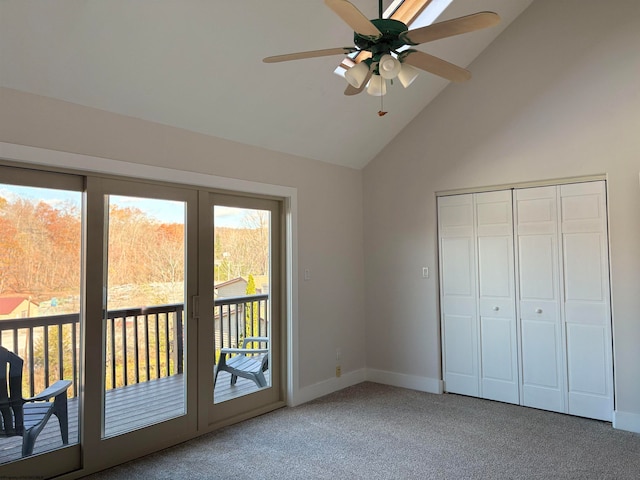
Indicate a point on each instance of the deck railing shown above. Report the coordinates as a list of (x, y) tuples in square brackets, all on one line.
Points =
[(48, 346), (239, 317), (142, 344)]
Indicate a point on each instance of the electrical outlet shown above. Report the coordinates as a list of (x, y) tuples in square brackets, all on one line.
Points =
[(338, 371)]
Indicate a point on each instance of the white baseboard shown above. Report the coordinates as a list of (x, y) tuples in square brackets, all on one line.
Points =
[(626, 421), (413, 382), (320, 389)]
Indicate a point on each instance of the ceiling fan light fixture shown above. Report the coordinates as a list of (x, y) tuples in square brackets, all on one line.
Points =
[(389, 67), (357, 74), (407, 75), (377, 86)]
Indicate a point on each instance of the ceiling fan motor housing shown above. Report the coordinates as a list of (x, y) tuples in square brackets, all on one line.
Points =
[(389, 41)]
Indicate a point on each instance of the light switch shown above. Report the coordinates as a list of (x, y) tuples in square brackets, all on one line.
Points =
[(307, 274), (425, 272)]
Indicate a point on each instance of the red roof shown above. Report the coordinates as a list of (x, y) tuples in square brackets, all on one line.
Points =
[(9, 304)]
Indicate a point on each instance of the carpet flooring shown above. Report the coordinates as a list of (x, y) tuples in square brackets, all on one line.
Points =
[(373, 431)]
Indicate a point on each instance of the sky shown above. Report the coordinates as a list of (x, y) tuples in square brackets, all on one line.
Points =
[(165, 211)]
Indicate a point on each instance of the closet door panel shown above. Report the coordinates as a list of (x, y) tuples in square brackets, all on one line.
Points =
[(543, 380), (496, 288), (587, 307), (499, 359), (458, 294), (458, 276), (461, 374), (459, 316), (541, 375), (495, 259)]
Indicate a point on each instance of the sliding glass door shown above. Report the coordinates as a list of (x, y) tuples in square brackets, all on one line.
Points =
[(147, 266), (41, 320), (159, 308), (242, 244)]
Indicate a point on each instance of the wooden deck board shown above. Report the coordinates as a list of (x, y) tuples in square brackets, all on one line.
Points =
[(129, 408)]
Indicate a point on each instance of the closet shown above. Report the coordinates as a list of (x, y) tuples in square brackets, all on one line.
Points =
[(525, 304)]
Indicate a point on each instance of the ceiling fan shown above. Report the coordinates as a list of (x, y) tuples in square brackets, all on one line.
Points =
[(382, 44)]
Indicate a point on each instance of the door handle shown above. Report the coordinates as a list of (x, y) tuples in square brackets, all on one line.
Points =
[(496, 308), (538, 310)]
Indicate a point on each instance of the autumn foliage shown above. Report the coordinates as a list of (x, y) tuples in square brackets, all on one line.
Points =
[(39, 248)]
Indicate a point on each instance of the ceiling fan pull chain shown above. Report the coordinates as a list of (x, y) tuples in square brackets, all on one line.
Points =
[(381, 112)]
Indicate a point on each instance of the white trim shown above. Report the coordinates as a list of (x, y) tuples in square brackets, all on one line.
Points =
[(291, 219), (515, 186), (91, 164), (325, 387), (320, 389), (88, 163), (413, 382), (626, 421)]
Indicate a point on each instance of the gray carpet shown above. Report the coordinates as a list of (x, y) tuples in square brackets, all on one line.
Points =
[(373, 431)]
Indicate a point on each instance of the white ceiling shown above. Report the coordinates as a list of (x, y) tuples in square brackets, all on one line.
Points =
[(197, 65)]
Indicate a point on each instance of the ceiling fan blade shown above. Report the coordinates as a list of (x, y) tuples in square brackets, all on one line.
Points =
[(354, 18), (351, 90), (449, 28), (435, 65), (311, 54)]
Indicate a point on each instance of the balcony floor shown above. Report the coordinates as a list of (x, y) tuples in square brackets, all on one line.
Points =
[(127, 410)]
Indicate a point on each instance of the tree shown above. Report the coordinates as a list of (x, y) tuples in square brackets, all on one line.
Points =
[(40, 247), (252, 315)]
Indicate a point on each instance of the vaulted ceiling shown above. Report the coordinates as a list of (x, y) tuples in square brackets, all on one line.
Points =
[(197, 65)]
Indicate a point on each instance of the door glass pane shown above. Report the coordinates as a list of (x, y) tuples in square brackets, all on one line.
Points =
[(40, 272), (144, 332), (242, 330)]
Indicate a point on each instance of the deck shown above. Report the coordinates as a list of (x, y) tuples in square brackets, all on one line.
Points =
[(126, 410)]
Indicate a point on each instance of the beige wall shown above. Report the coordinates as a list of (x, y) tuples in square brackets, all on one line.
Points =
[(556, 95), (330, 305)]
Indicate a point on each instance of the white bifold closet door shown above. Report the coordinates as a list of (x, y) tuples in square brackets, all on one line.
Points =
[(497, 297), (525, 304), (459, 294), (565, 304), (478, 295), (543, 379)]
